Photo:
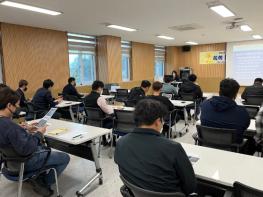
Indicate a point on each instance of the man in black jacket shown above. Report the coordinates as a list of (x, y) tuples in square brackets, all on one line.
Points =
[(138, 93), (70, 90), (255, 90), (190, 87), (151, 161), (21, 92)]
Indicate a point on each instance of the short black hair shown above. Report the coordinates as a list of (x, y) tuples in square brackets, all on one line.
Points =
[(258, 80), (174, 71), (192, 77), (2, 85), (168, 78), (71, 79), (22, 83), (146, 84), (147, 111), (48, 83), (7, 95), (97, 84), (229, 88), (157, 86)]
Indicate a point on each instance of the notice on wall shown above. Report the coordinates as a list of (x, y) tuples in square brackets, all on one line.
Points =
[(212, 57)]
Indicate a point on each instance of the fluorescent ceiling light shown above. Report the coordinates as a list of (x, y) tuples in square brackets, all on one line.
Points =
[(121, 28), (30, 8), (222, 10), (245, 28), (191, 43), (257, 36), (166, 37)]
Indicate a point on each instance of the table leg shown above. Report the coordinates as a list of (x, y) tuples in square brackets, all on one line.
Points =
[(71, 114), (98, 174)]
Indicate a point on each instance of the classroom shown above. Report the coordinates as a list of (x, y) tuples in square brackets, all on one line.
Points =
[(131, 98)]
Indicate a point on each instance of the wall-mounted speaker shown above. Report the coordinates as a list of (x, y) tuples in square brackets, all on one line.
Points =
[(186, 48)]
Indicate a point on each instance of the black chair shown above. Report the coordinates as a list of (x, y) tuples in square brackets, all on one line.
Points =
[(122, 95), (252, 110), (13, 164), (219, 138), (241, 190), (123, 123), (139, 192), (254, 100), (33, 113), (105, 91), (190, 97)]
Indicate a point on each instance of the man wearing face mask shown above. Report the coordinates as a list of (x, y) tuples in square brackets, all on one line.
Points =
[(149, 160), (70, 90), (22, 88), (26, 140)]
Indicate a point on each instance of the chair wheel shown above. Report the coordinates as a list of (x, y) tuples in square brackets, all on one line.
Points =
[(100, 181), (79, 194), (59, 196), (186, 130)]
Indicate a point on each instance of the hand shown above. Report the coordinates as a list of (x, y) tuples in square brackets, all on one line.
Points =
[(59, 100), (31, 128), (42, 129)]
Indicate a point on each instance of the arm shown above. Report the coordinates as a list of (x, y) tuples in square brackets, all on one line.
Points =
[(75, 92), (50, 99), (104, 106), (185, 171), (259, 123), (199, 92)]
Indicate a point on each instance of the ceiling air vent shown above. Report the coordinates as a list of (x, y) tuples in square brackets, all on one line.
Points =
[(186, 27)]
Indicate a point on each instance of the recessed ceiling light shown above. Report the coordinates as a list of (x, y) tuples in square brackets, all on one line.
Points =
[(245, 28), (191, 43), (166, 37), (222, 10), (121, 28), (30, 8), (257, 36)]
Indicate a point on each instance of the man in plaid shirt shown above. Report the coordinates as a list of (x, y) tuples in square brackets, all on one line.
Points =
[(259, 124)]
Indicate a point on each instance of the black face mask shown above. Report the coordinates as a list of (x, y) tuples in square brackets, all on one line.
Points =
[(25, 89)]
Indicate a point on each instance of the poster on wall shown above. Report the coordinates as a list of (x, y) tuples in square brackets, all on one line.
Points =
[(212, 57)]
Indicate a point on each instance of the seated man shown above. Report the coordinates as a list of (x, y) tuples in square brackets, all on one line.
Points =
[(43, 99), (138, 93), (27, 140), (167, 86), (255, 90), (151, 161), (190, 87), (70, 90), (94, 100), (21, 92), (223, 112)]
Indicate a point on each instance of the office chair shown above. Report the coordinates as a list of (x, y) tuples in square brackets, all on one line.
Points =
[(170, 120), (252, 110), (105, 91), (123, 123), (12, 168), (190, 97), (122, 95), (32, 113), (241, 190), (219, 138), (254, 100), (140, 192)]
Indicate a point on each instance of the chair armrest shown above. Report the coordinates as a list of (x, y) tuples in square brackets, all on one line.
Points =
[(228, 194)]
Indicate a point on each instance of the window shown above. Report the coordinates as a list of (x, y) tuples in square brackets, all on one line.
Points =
[(126, 60), (159, 62), (82, 58)]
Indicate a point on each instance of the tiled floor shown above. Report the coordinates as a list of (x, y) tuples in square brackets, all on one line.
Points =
[(78, 173)]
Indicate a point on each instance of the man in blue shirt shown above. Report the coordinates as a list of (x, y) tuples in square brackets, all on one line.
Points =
[(26, 140)]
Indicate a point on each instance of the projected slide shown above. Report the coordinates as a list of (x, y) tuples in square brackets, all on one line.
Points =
[(245, 62)]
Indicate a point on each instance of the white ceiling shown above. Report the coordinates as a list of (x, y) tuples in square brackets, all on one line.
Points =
[(150, 17)]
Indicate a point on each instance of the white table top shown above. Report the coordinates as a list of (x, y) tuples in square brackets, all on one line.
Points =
[(107, 96), (67, 104), (122, 108), (180, 103), (74, 129), (22, 113), (226, 167)]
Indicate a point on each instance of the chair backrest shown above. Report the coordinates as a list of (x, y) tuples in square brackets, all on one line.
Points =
[(139, 192), (105, 91), (122, 93), (67, 97), (95, 116), (254, 100), (252, 110), (124, 121), (241, 190), (187, 96), (169, 96), (219, 138)]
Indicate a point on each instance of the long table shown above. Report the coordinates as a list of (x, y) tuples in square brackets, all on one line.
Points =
[(79, 140), (69, 104), (224, 167)]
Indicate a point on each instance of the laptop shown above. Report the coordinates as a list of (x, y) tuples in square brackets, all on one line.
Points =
[(46, 118)]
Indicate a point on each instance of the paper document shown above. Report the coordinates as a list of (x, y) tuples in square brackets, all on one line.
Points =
[(57, 131)]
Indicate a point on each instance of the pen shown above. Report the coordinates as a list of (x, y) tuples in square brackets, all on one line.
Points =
[(80, 135)]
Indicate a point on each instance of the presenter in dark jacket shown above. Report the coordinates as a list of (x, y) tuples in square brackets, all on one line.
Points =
[(147, 159), (70, 89), (26, 140)]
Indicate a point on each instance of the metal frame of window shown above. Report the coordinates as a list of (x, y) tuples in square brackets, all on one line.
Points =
[(159, 56), (126, 52)]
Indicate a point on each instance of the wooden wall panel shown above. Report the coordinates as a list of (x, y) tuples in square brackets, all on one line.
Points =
[(172, 59), (34, 54), (102, 57), (142, 61)]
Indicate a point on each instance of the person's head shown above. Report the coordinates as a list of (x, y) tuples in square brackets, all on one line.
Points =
[(145, 85), (150, 113), (157, 86), (48, 84), (23, 85), (167, 78), (2, 85), (72, 81), (258, 81), (9, 101), (97, 86), (229, 88), (192, 77), (174, 73)]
